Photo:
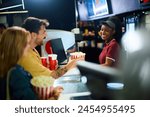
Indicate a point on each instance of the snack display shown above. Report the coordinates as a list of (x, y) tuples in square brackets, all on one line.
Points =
[(43, 86)]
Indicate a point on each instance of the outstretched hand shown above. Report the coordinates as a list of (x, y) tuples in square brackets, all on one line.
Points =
[(72, 63)]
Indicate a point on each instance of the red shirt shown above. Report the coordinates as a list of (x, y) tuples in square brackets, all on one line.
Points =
[(111, 50)]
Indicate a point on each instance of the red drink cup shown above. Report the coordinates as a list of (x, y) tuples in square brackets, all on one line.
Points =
[(52, 61), (53, 65), (44, 61)]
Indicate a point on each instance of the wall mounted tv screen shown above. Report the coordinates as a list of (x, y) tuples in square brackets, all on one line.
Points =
[(145, 2), (92, 9)]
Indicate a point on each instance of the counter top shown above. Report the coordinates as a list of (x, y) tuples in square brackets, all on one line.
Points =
[(73, 86)]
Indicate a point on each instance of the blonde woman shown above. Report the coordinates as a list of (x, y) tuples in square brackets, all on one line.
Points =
[(14, 44)]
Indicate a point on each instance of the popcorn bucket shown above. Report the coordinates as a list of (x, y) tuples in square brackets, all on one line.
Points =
[(43, 86), (76, 55)]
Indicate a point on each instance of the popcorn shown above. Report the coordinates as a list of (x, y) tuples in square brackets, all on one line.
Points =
[(76, 55), (43, 86)]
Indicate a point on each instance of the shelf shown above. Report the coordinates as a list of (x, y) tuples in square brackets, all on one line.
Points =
[(13, 12)]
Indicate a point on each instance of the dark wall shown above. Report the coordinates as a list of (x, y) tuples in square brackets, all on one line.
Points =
[(60, 13)]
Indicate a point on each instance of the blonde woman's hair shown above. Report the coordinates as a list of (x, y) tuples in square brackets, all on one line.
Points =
[(12, 45)]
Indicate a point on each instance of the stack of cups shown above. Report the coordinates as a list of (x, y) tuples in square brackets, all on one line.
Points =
[(52, 61), (44, 61)]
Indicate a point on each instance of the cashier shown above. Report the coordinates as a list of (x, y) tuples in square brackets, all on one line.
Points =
[(110, 53)]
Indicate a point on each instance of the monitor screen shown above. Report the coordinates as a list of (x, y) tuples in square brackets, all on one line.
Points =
[(58, 48), (11, 5), (91, 9), (145, 4), (144, 1)]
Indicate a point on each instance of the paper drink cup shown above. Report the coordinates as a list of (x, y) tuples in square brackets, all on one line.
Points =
[(53, 65), (52, 57), (44, 61), (52, 61), (43, 86)]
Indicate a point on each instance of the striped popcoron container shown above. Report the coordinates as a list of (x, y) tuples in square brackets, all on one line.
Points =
[(43, 86)]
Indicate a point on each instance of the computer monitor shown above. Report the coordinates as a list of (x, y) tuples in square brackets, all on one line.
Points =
[(58, 48), (99, 79)]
